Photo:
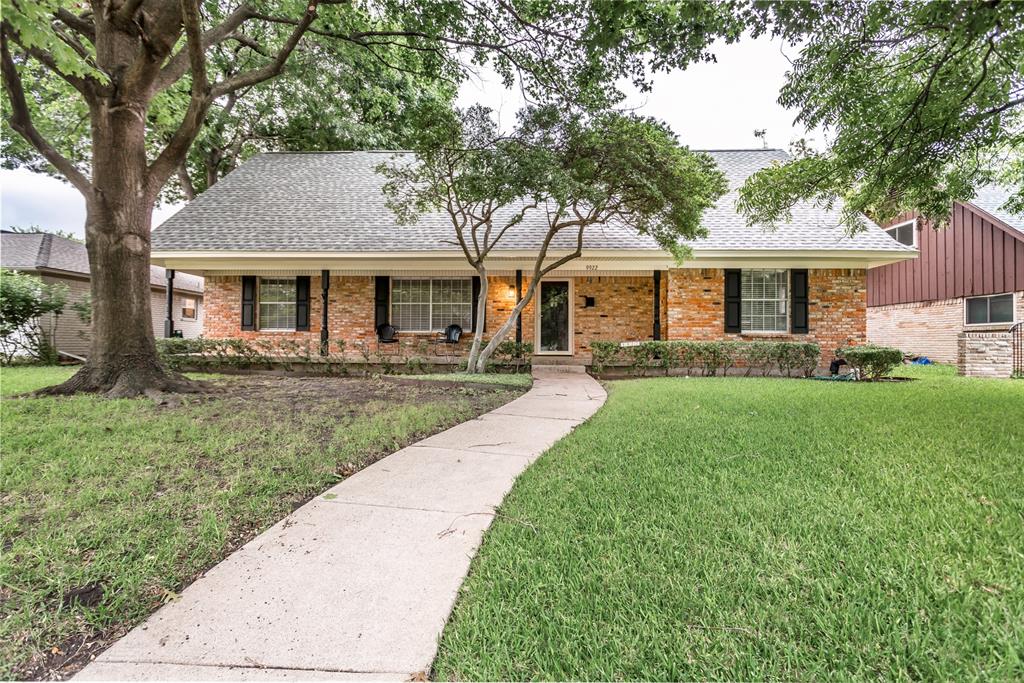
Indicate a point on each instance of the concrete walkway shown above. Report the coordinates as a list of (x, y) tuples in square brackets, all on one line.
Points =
[(358, 583)]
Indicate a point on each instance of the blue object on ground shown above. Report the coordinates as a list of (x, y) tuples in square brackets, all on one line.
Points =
[(923, 360)]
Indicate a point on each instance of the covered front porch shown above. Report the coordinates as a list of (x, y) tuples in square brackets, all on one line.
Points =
[(346, 309)]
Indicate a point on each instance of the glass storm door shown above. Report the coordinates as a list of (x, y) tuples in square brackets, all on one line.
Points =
[(554, 317)]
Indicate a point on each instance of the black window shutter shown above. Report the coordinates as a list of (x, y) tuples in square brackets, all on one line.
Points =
[(476, 298), (248, 302), (381, 292), (733, 299), (798, 285), (302, 303)]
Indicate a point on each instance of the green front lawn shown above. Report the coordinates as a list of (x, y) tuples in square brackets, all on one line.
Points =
[(108, 508), (748, 529)]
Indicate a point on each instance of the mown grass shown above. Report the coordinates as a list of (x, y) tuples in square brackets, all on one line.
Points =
[(505, 379), (138, 499), (751, 529)]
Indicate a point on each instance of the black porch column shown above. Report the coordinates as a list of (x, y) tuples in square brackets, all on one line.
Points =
[(657, 305), (519, 297), (169, 320), (325, 284)]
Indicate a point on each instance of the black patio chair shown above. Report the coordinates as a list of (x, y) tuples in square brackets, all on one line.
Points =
[(386, 334), (448, 340)]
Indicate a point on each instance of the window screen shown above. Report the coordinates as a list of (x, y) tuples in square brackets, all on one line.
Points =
[(277, 304), (429, 305), (765, 301), (984, 310)]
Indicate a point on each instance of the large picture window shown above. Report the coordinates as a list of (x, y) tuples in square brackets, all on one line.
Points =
[(986, 310), (430, 305), (765, 301), (277, 304)]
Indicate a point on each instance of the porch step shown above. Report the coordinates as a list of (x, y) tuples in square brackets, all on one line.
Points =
[(559, 363)]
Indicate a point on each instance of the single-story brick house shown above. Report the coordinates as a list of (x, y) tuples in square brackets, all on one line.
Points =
[(57, 259), (968, 282), (301, 246)]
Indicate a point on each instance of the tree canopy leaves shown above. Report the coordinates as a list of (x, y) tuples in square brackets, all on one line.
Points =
[(924, 102)]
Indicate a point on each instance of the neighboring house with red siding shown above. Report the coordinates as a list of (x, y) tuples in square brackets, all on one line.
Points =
[(969, 278), (57, 259), (302, 248)]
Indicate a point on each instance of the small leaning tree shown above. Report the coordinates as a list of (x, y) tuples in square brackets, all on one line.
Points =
[(553, 179)]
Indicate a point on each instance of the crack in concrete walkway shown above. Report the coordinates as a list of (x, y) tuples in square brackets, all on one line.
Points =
[(358, 583)]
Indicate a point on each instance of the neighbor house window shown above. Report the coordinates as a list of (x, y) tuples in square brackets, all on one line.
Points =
[(985, 310), (277, 303), (904, 232), (430, 305), (188, 308), (764, 301)]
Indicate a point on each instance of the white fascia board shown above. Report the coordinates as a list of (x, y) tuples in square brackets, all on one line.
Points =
[(592, 260)]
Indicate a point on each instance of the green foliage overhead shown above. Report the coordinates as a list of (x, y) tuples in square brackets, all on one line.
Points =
[(923, 103), (579, 170), (356, 71)]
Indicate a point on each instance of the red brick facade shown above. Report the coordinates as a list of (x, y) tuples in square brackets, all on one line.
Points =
[(622, 310), (837, 303)]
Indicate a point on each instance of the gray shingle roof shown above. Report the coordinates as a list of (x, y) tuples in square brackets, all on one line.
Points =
[(332, 202), (991, 198), (44, 251)]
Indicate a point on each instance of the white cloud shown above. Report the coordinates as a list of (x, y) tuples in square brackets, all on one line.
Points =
[(710, 106), (28, 198)]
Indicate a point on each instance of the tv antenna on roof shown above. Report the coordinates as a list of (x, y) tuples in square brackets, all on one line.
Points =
[(762, 135)]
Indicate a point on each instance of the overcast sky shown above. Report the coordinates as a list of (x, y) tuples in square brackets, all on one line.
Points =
[(709, 106)]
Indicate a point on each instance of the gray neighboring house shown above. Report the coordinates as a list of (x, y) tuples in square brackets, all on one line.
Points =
[(57, 259)]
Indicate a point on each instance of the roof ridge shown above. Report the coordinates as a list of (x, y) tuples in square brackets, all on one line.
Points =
[(45, 246)]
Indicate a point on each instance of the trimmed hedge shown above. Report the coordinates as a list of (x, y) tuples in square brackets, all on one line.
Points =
[(707, 358), (410, 355), (870, 361)]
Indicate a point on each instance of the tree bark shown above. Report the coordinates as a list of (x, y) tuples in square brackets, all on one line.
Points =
[(503, 331), (123, 360), (481, 311)]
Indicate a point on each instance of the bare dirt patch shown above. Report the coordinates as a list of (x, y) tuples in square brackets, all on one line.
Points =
[(280, 439)]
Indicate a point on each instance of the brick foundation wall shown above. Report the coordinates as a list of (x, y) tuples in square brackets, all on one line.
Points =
[(984, 354), (837, 308), (928, 328)]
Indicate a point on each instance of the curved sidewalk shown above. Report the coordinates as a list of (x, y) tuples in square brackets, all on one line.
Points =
[(357, 583)]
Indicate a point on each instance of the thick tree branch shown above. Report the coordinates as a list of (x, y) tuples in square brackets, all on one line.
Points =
[(178, 65), (21, 121), (172, 155), (268, 71), (78, 24)]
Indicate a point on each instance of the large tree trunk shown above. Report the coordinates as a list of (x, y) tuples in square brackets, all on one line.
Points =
[(123, 360)]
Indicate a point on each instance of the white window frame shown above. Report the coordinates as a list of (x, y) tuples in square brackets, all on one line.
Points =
[(430, 301), (913, 231), (1013, 310), (195, 307), (788, 299), (258, 304)]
